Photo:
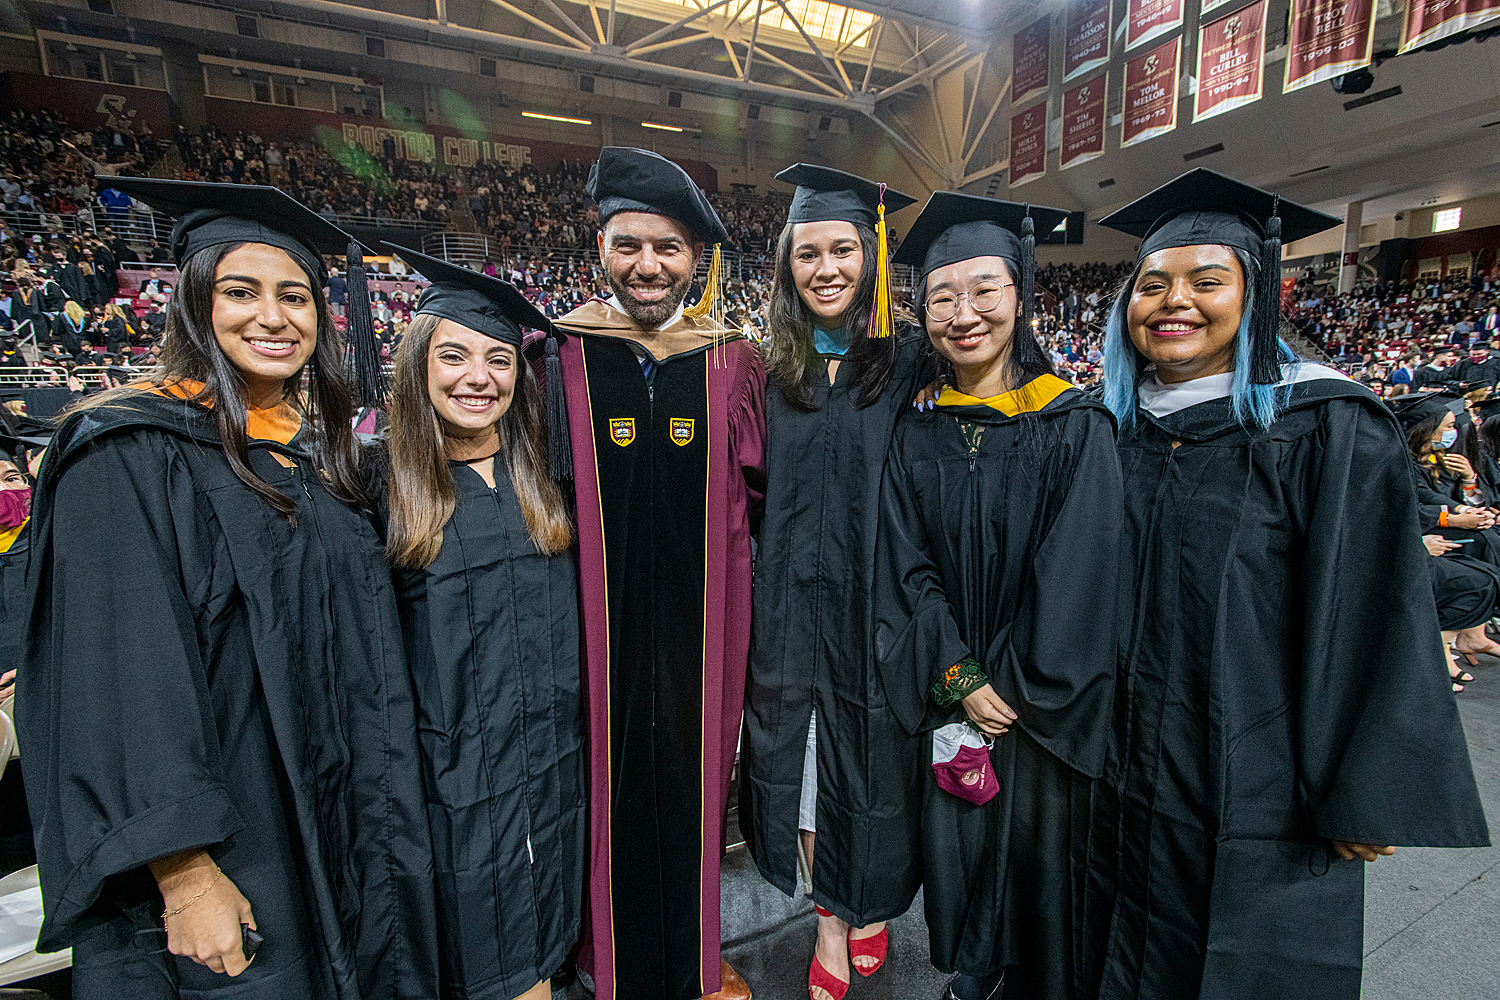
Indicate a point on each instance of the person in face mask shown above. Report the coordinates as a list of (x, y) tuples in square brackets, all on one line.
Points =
[(15, 510)]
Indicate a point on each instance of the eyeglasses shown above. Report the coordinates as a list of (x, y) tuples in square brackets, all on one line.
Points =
[(943, 306)]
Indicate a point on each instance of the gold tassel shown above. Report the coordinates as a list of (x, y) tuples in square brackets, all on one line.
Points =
[(711, 306), (881, 321)]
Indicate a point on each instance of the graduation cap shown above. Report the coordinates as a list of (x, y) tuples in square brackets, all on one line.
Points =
[(954, 227), (213, 215), (1488, 407), (827, 195), (626, 179), (477, 301), (1202, 207), (497, 309), (1414, 408)]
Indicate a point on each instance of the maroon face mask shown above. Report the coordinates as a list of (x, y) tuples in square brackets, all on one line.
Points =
[(14, 507), (961, 763)]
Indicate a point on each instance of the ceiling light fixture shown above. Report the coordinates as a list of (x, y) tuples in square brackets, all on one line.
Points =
[(555, 118), (664, 128)]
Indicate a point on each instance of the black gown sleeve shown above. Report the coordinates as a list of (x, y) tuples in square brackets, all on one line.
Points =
[(1382, 756), (122, 760), (1057, 670), (916, 638), (1430, 502)]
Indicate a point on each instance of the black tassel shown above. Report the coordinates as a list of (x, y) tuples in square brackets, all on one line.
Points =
[(1265, 325), (359, 333), (559, 440), (1028, 352)]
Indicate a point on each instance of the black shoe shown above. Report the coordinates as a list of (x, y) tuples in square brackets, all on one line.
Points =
[(962, 987)]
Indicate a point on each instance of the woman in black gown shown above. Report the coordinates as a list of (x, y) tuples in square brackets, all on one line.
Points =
[(1000, 520), (479, 535), (1284, 711), (823, 759), (219, 730)]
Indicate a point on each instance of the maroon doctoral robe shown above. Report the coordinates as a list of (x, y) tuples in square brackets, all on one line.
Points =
[(668, 460)]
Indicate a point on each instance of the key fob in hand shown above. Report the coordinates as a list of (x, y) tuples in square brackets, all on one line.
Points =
[(250, 941)]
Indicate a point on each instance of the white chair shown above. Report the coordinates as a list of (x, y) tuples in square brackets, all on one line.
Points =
[(8, 709), (29, 965), (7, 739)]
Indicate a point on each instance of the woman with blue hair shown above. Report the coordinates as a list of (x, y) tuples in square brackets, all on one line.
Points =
[(1283, 711)]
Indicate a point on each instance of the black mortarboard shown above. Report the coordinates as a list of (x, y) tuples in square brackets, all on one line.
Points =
[(1414, 408), (954, 227), (1203, 208), (1488, 407), (827, 195), (625, 179), (212, 215), (483, 304)]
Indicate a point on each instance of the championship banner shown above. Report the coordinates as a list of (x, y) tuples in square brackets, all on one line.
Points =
[(1031, 55), (1231, 61), (1149, 19), (1086, 42), (1328, 38), (1208, 6), (1150, 105), (1028, 145), (1083, 122), (1429, 20)]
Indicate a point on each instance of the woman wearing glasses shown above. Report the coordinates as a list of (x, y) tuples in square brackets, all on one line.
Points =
[(1000, 518)]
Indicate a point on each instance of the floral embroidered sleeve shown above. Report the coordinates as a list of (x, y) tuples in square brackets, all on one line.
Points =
[(958, 682)]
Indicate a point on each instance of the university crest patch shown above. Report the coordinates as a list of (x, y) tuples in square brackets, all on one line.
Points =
[(681, 430), (622, 430)]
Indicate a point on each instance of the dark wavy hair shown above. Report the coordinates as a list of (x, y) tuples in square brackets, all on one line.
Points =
[(319, 392), (788, 346)]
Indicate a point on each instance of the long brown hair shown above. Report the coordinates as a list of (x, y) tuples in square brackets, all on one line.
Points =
[(422, 496), (788, 345), (191, 353)]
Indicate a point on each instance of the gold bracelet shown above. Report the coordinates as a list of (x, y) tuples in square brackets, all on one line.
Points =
[(218, 872)]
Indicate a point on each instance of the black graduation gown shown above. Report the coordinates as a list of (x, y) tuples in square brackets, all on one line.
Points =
[(1466, 591), (1004, 556), (812, 647), (13, 599), (199, 672), (1282, 687), (492, 638)]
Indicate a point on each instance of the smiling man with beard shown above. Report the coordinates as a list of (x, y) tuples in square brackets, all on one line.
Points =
[(665, 429)]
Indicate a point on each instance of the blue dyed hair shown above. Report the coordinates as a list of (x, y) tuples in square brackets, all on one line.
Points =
[(1125, 367)]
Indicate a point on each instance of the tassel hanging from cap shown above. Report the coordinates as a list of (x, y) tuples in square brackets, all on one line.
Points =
[(881, 321), (709, 305), (559, 440), (359, 332), (1028, 352), (1265, 325)]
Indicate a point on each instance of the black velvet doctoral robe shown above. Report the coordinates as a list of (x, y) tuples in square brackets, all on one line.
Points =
[(1282, 687), (492, 638), (669, 474), (201, 673), (812, 647), (1005, 555)]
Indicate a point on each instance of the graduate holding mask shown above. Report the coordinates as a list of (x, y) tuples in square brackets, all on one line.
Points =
[(999, 530), (1286, 711), (479, 534), (822, 752), (221, 751)]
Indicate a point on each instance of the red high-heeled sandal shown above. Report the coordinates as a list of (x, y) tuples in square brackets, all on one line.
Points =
[(875, 946), (822, 984)]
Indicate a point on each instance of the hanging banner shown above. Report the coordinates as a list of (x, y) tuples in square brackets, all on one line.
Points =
[(1150, 105), (1083, 122), (1429, 20), (1028, 145), (1149, 19), (1086, 42), (1031, 55), (1231, 61), (1209, 6), (1328, 38)]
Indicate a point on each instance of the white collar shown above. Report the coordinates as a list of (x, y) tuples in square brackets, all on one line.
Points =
[(1162, 398), (615, 305)]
